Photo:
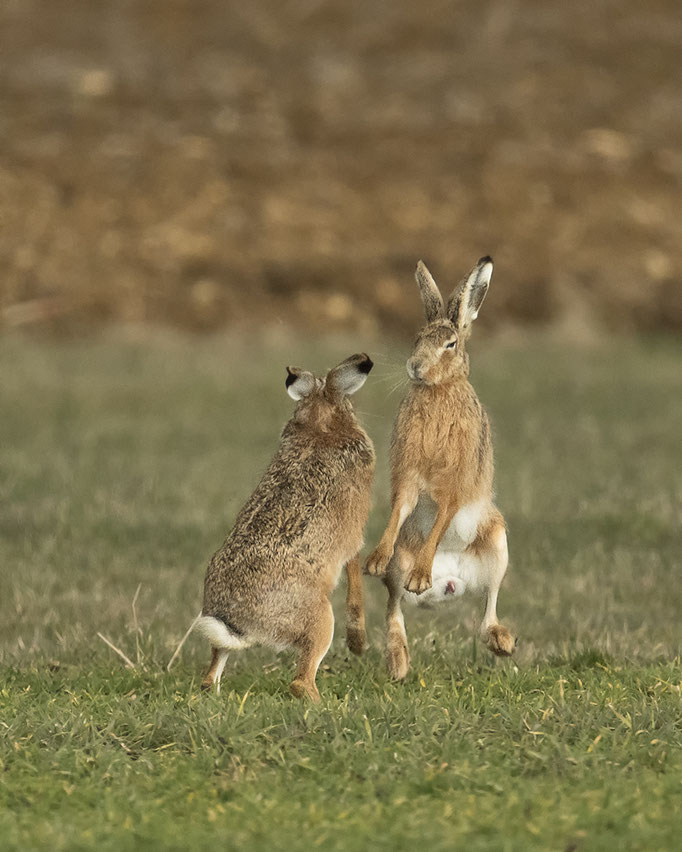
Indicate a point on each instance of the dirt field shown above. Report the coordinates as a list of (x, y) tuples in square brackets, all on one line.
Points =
[(208, 162)]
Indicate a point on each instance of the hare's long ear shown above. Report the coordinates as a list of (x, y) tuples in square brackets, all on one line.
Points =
[(350, 375), (466, 301), (431, 297), (299, 382)]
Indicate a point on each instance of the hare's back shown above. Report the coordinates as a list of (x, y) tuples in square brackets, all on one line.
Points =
[(307, 510)]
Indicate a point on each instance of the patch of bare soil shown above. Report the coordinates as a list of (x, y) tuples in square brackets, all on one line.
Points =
[(208, 162)]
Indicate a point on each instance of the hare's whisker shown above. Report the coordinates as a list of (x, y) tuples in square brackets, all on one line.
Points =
[(392, 377), (400, 384)]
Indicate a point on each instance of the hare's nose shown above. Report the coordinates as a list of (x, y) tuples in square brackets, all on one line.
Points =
[(414, 369), (450, 588)]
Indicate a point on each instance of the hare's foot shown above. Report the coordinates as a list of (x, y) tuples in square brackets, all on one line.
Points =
[(500, 641), (378, 560), (314, 644), (356, 638), (397, 657), (419, 579), (301, 689)]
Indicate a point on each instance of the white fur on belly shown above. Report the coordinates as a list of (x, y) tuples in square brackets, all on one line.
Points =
[(466, 570), (467, 520), (463, 527)]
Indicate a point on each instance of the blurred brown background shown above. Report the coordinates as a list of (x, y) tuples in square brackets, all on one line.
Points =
[(203, 162)]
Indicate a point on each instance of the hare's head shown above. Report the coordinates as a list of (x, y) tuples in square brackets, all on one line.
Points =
[(322, 401), (439, 350)]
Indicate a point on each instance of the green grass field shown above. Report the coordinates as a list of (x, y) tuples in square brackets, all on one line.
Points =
[(122, 464)]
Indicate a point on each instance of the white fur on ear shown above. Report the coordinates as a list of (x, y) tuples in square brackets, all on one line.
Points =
[(299, 383), (485, 273), (350, 381), (350, 375), (465, 303)]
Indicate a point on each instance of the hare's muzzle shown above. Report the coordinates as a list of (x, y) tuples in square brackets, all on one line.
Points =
[(415, 370)]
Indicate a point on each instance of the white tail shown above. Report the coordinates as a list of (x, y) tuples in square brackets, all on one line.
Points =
[(218, 634)]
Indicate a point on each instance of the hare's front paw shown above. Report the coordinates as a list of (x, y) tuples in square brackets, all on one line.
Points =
[(377, 561), (420, 579), (500, 641)]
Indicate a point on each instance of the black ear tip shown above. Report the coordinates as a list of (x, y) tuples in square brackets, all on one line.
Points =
[(484, 260), (366, 364), (291, 378)]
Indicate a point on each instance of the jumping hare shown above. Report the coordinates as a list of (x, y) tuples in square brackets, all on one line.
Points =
[(444, 527), (269, 583)]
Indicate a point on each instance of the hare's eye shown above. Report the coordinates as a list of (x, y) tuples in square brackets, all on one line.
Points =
[(451, 344)]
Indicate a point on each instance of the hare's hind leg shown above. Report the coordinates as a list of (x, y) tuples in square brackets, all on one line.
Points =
[(223, 639), (356, 636), (491, 548), (313, 645), (397, 652), (215, 671)]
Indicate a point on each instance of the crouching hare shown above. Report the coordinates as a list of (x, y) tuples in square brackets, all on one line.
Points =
[(445, 535), (269, 583)]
